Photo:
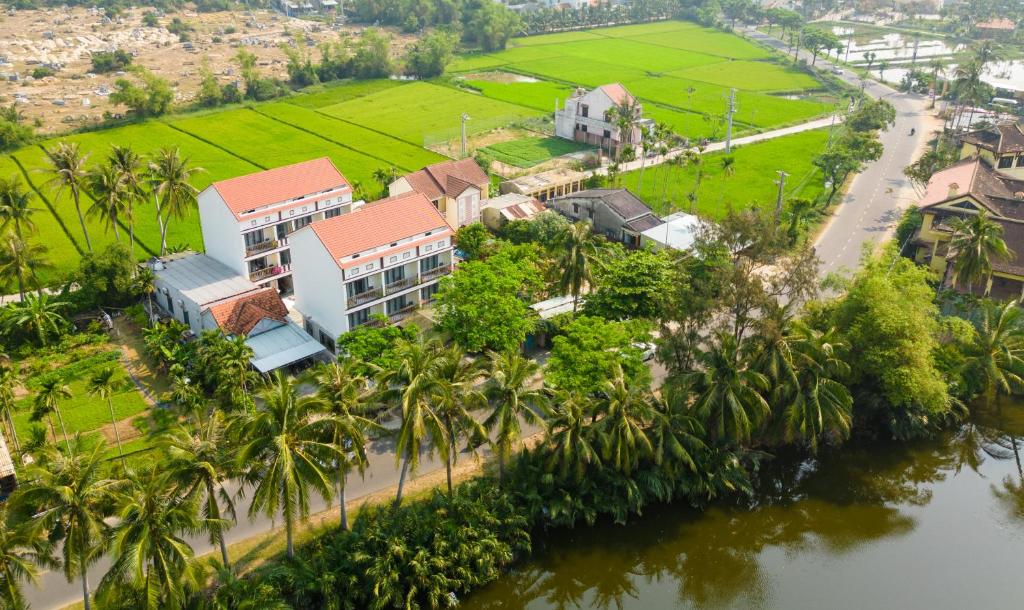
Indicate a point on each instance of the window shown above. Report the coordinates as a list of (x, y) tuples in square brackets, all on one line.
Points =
[(576, 208), (254, 238), (393, 259), (303, 221), (252, 223), (406, 255), (585, 111), (428, 248), (430, 263), (1020, 161), (440, 244), (326, 341), (331, 213), (583, 128), (358, 317), (291, 212), (170, 304), (590, 213), (394, 305), (282, 230), (607, 134), (1005, 162), (394, 275), (369, 267), (427, 294), (266, 219), (184, 312), (358, 287), (286, 257)]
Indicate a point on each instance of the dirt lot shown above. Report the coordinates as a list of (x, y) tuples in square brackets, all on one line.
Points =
[(65, 39)]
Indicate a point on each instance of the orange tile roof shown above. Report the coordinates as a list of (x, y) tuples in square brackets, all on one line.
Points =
[(617, 93), (244, 193), (449, 178), (1001, 23), (238, 316), (960, 174), (378, 224)]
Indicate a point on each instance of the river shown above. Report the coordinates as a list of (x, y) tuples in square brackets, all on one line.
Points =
[(937, 524)]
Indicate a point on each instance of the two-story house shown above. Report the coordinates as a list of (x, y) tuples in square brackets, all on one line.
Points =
[(1002, 145), (590, 117), (617, 214), (247, 221), (384, 258), (456, 188)]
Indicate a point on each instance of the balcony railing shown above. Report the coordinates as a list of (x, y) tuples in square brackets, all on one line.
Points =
[(401, 284), (263, 246), (365, 297), (426, 276), (262, 274), (402, 313)]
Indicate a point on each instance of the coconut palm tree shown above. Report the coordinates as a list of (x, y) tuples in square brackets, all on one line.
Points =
[(512, 401), (821, 406), (110, 196), (47, 401), (577, 249), (384, 176), (454, 398), (969, 89), (977, 242), (16, 207), (173, 195), (626, 413), (344, 393), (200, 460), (21, 259), (8, 380), (153, 564), (67, 169), (573, 441), (625, 116), (36, 315), (71, 497), (728, 403), (937, 66), (104, 383), (24, 549), (128, 165), (995, 353), (675, 434), (799, 211), (285, 455)]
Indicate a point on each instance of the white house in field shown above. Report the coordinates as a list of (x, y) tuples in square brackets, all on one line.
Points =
[(247, 221), (385, 257), (589, 117)]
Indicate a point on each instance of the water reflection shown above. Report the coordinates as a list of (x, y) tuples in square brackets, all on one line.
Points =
[(854, 509)]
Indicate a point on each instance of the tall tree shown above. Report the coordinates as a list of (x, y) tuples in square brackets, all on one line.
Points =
[(8, 379), (52, 390), (104, 383), (577, 250), (128, 165), (286, 455), (173, 194), (16, 207), (977, 242), (513, 399), (67, 169), (626, 413), (36, 316), (454, 399), (573, 440), (821, 405), (24, 550), (995, 354), (110, 196)]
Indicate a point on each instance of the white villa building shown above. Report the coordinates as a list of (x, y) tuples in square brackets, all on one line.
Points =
[(248, 221), (588, 117), (386, 258)]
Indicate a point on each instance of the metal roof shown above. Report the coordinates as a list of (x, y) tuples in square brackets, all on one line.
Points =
[(202, 279), (6, 464), (554, 306), (282, 346), (679, 231)]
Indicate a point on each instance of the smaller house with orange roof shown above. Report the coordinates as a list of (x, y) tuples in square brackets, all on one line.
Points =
[(996, 28), (456, 188), (385, 258), (592, 117), (205, 294)]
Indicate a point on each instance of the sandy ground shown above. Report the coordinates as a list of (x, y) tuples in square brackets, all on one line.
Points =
[(66, 39)]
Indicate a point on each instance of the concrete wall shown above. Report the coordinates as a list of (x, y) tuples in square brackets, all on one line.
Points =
[(319, 285), (222, 236), (605, 221)]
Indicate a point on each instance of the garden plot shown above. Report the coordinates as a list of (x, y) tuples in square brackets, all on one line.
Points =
[(528, 152)]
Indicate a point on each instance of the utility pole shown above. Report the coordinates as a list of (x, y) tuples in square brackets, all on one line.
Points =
[(730, 110), (464, 117), (778, 200)]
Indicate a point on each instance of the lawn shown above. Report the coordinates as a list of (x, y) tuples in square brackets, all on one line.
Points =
[(665, 187), (423, 111), (540, 95), (527, 152)]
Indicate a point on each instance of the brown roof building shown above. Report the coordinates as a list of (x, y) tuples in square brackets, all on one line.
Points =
[(456, 188), (1002, 145)]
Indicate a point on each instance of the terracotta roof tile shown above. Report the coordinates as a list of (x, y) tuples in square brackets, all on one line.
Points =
[(448, 178), (617, 93), (244, 193), (238, 316), (379, 224)]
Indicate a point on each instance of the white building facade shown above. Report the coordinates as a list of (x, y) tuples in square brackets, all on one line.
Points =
[(589, 117)]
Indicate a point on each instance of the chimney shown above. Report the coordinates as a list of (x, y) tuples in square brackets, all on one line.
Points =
[(954, 188)]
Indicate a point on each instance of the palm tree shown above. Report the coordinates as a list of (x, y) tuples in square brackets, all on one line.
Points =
[(512, 401), (67, 167), (200, 461), (577, 250), (8, 380), (384, 176), (47, 401), (104, 383), (729, 403), (285, 456), (19, 258), (16, 207), (128, 165), (110, 196), (822, 405), (937, 65), (799, 211), (870, 58), (625, 116), (71, 497), (675, 434), (995, 354), (574, 443), (976, 243), (624, 440), (173, 195), (969, 89), (882, 67), (37, 315), (151, 558), (454, 398), (344, 394), (23, 551), (231, 361)]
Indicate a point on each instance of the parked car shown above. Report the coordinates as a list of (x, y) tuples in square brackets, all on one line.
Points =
[(837, 70)]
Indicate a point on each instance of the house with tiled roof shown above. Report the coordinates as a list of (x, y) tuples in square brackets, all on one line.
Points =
[(966, 188), (1002, 145), (591, 117), (456, 188), (386, 257), (247, 221), (617, 214)]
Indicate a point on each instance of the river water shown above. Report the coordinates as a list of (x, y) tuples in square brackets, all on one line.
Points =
[(937, 524)]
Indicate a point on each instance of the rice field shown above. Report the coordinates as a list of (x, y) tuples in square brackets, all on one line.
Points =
[(528, 152)]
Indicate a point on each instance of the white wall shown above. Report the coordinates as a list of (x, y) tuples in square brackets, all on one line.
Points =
[(196, 319), (319, 286), (222, 239), (398, 187)]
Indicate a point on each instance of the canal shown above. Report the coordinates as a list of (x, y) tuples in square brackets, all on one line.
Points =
[(937, 524)]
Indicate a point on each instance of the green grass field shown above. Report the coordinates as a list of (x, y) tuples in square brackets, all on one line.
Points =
[(665, 187), (332, 93), (540, 95), (527, 152)]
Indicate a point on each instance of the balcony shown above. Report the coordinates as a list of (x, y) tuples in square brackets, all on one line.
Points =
[(401, 284), (402, 313), (262, 274), (263, 246), (365, 297), (426, 276)]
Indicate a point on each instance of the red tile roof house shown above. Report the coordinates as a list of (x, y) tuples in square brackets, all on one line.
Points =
[(384, 258), (247, 221), (456, 188), (588, 117)]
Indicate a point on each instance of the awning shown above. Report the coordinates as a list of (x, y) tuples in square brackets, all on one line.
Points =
[(282, 346)]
